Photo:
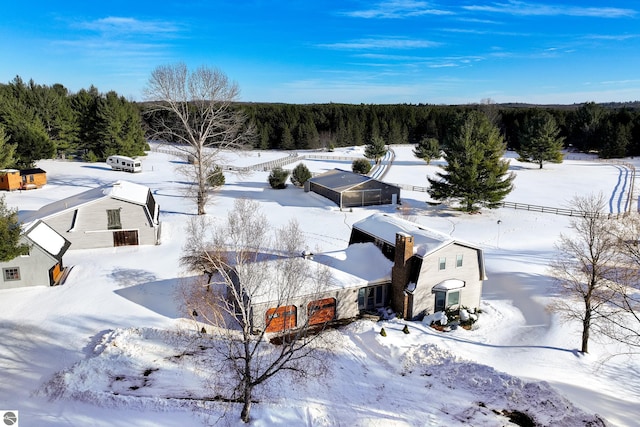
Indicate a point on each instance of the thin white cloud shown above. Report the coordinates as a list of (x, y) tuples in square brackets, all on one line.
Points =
[(539, 9), (126, 25), (614, 37), (397, 9), (381, 43)]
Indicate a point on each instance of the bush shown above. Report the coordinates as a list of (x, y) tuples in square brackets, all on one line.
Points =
[(361, 166), (90, 157), (216, 177), (300, 175), (278, 178)]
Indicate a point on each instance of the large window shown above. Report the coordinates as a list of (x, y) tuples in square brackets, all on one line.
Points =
[(113, 219), (11, 273), (373, 297)]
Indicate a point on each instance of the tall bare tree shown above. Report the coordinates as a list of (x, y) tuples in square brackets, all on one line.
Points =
[(194, 110), (247, 268), (624, 326), (586, 264)]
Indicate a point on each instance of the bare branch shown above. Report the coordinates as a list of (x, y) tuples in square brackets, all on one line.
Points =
[(195, 111)]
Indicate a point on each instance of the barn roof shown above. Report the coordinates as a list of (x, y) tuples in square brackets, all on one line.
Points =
[(385, 227), (120, 190), (340, 180)]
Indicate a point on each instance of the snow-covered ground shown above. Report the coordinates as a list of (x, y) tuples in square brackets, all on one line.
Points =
[(111, 347)]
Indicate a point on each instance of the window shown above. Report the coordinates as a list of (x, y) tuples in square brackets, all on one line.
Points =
[(453, 298), (442, 263), (373, 297), (11, 273), (31, 179), (459, 260), (113, 219)]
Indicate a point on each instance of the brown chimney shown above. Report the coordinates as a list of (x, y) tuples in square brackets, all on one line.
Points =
[(400, 273)]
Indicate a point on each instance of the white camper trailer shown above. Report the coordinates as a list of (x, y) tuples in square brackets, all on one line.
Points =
[(123, 163)]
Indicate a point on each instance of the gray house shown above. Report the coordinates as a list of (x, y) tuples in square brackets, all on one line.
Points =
[(345, 275), (347, 189), (431, 270), (41, 265), (390, 262), (120, 214)]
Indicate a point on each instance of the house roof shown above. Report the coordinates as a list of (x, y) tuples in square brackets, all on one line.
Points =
[(48, 239), (385, 227), (363, 260), (309, 281), (340, 180), (120, 190)]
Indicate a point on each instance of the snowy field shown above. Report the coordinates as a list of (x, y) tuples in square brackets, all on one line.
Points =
[(111, 347)]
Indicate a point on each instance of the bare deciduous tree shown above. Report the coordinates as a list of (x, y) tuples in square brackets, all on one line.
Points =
[(195, 111), (585, 266), (248, 270), (624, 326)]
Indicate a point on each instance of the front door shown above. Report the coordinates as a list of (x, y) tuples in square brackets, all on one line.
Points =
[(441, 299)]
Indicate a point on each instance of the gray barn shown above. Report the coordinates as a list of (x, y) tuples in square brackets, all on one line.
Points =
[(121, 214), (348, 189)]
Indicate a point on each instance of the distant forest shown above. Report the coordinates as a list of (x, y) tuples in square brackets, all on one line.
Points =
[(40, 121), (613, 130)]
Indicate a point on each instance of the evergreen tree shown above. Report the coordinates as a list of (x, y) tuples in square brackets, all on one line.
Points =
[(10, 231), (361, 166), (278, 178), (118, 128), (614, 139), (286, 142), (540, 139), (475, 173), (216, 177), (376, 149), (300, 175), (7, 150), (427, 149)]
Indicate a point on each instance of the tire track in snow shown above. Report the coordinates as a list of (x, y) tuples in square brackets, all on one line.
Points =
[(617, 202)]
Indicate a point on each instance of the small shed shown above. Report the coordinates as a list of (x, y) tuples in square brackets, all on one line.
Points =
[(26, 179), (42, 264), (349, 189)]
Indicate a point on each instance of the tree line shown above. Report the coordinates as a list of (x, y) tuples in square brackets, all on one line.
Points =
[(40, 122), (612, 131)]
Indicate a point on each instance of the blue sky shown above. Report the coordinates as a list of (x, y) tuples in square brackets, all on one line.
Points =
[(353, 51)]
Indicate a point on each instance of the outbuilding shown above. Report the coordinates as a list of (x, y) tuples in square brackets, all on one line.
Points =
[(348, 189), (120, 214), (25, 179), (41, 264)]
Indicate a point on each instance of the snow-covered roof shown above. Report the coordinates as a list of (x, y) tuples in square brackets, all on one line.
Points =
[(385, 227), (449, 284), (339, 180), (121, 190), (48, 239), (363, 260), (129, 192), (307, 283)]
